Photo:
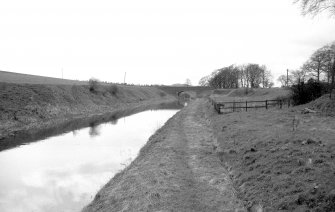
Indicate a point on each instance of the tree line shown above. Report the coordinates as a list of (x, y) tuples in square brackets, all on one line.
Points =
[(236, 76), (320, 67)]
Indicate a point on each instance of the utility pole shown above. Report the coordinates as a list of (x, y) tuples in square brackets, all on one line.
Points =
[(287, 78), (124, 79)]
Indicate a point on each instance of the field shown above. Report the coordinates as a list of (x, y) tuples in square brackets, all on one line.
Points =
[(282, 160), (11, 77)]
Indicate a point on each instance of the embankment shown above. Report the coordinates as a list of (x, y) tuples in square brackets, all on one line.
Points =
[(30, 108)]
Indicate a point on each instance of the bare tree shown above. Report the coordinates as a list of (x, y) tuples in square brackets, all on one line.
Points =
[(333, 65), (315, 65), (204, 81), (299, 76), (266, 76), (251, 75), (320, 63), (329, 58), (283, 80), (314, 7), (188, 82), (243, 75), (254, 72)]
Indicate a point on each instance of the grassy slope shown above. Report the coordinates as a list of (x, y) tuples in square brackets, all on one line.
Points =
[(242, 94), (282, 160), (11, 77), (26, 106)]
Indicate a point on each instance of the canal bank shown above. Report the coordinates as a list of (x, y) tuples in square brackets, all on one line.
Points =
[(28, 110), (177, 170), (245, 161), (64, 172)]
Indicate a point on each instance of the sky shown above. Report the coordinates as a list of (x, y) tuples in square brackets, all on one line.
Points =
[(155, 41)]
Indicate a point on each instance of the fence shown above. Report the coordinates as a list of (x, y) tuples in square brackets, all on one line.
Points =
[(225, 107)]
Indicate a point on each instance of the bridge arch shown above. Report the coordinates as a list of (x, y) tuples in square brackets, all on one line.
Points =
[(179, 92)]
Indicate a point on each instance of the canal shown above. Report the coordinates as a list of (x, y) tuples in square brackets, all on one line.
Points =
[(63, 173)]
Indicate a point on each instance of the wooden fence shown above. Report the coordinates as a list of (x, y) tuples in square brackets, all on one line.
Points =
[(235, 106)]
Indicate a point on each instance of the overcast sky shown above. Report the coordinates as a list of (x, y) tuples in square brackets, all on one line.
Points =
[(154, 41)]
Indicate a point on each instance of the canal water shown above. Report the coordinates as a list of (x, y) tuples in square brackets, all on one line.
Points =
[(63, 173)]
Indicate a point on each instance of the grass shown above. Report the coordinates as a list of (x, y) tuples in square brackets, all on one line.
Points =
[(11, 77), (282, 159), (258, 94), (113, 89), (94, 85)]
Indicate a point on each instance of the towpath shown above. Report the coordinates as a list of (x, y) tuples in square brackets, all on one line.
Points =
[(177, 170)]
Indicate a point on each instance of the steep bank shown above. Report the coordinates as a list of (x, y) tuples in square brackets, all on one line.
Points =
[(177, 170), (32, 107)]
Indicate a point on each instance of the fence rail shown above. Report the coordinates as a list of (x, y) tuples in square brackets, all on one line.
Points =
[(224, 107)]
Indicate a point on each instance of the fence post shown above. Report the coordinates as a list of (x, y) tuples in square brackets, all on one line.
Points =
[(234, 106), (281, 103), (266, 104), (246, 105)]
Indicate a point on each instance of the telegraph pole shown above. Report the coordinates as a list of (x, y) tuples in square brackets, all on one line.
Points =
[(286, 77), (124, 79)]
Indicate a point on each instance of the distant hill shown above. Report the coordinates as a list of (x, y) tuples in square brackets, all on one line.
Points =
[(12, 77)]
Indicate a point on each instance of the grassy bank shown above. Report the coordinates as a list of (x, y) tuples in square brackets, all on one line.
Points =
[(260, 160), (281, 160), (31, 107), (177, 170), (254, 94)]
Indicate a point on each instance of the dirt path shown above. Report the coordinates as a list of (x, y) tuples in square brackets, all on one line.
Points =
[(178, 170)]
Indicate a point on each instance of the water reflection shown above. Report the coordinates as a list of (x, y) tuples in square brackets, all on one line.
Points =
[(94, 129), (72, 125), (64, 173)]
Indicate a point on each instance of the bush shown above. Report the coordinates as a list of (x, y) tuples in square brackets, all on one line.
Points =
[(113, 89), (94, 85), (162, 94), (306, 92)]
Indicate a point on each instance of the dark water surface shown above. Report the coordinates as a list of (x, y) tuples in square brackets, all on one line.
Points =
[(64, 172)]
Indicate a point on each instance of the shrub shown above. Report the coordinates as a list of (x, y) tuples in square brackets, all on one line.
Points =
[(94, 85), (162, 94), (306, 92), (113, 89)]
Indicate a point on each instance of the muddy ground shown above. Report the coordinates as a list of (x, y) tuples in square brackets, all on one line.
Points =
[(261, 160)]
